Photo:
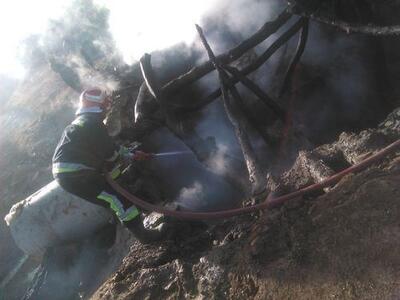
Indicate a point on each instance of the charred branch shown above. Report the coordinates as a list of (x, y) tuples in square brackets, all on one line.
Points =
[(196, 73), (275, 46), (242, 127), (145, 105), (252, 67), (257, 125), (204, 150), (238, 120), (147, 115), (263, 96), (348, 27), (358, 28), (150, 80), (286, 85), (238, 114)]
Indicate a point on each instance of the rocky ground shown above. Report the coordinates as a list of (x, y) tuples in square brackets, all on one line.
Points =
[(31, 118), (337, 244)]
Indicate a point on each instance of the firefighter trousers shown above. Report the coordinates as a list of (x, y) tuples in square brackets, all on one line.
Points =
[(93, 187)]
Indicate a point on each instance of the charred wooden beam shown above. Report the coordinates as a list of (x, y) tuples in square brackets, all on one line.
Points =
[(246, 111), (358, 28), (296, 58), (150, 79), (204, 150), (147, 116), (284, 38), (264, 97), (250, 68), (348, 27), (256, 175), (256, 124), (237, 119), (197, 72)]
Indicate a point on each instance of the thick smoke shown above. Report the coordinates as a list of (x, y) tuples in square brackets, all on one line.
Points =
[(332, 90), (225, 26), (192, 195), (181, 176), (147, 26), (89, 54), (78, 46), (336, 84), (72, 271)]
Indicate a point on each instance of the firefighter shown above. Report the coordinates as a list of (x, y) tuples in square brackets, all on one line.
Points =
[(85, 150)]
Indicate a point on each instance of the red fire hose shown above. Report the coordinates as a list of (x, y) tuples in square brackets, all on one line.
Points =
[(264, 205)]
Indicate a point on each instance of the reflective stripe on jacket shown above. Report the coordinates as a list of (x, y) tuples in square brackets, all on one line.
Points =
[(62, 167), (85, 142)]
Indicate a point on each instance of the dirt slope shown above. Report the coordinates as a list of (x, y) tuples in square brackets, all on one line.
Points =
[(336, 245), (30, 124)]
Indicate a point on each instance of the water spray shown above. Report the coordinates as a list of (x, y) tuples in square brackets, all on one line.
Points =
[(168, 154)]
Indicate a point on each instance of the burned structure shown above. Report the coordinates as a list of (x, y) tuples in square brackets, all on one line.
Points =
[(284, 121), (160, 104)]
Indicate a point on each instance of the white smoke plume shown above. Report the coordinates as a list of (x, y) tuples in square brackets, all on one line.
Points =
[(146, 26), (192, 194), (219, 161)]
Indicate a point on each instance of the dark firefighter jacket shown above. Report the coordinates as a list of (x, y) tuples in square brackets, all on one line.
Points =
[(84, 144)]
